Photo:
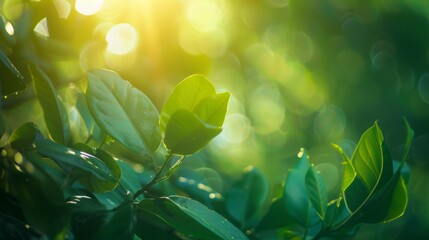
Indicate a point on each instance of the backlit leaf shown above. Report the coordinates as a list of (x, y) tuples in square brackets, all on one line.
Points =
[(53, 109), (123, 111)]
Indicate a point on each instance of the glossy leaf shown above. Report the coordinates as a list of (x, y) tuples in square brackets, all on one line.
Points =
[(123, 111), (276, 217), (53, 109), (295, 195), (11, 80), (190, 218), (407, 144), (316, 191), (96, 184), (187, 134), (186, 95), (69, 157), (247, 195)]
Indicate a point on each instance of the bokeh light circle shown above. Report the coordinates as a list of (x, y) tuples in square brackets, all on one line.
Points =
[(424, 87), (121, 39), (88, 7)]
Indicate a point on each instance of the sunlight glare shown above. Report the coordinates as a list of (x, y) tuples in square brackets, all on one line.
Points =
[(204, 15), (9, 28), (88, 7), (121, 39), (42, 28)]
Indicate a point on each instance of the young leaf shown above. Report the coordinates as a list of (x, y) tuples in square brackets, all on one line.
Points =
[(368, 161), (187, 134), (349, 171), (247, 195), (190, 218), (186, 95), (212, 109), (316, 191), (53, 109), (123, 111)]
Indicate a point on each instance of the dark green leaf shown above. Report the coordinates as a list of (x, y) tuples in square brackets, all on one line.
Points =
[(295, 196), (316, 191), (24, 136), (11, 228), (41, 200), (389, 204), (53, 109), (2, 127), (92, 221), (187, 134), (276, 217), (247, 195), (190, 218), (123, 111), (186, 95)]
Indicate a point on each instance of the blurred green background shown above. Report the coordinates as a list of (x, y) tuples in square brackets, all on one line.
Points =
[(302, 73)]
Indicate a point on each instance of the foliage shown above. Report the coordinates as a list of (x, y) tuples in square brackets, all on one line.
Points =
[(65, 184)]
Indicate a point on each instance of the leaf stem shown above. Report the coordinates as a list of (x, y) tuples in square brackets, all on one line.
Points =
[(157, 177)]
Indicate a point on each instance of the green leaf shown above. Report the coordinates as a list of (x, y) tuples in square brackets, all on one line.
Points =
[(349, 171), (368, 160), (24, 136), (247, 195), (123, 111), (71, 158), (187, 134), (316, 191), (212, 109), (407, 145), (276, 217), (91, 220), (295, 196), (389, 204), (190, 218), (12, 228), (186, 95), (54, 111), (41, 200), (96, 184), (2, 126), (11, 80)]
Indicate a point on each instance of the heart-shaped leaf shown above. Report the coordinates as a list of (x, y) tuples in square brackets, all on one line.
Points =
[(53, 109), (190, 218), (123, 111)]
